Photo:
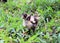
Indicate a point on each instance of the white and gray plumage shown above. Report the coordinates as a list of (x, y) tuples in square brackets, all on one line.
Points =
[(30, 21)]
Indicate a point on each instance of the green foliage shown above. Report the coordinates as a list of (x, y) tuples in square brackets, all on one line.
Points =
[(11, 27)]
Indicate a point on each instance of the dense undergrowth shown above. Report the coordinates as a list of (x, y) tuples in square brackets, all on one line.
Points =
[(11, 28)]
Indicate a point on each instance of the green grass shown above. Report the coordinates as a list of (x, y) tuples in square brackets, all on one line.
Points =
[(11, 27)]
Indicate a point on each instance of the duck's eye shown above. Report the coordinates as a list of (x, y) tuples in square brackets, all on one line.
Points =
[(28, 18), (24, 16)]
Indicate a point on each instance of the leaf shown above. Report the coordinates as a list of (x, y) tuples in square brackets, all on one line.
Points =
[(1, 41), (31, 38), (59, 38)]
